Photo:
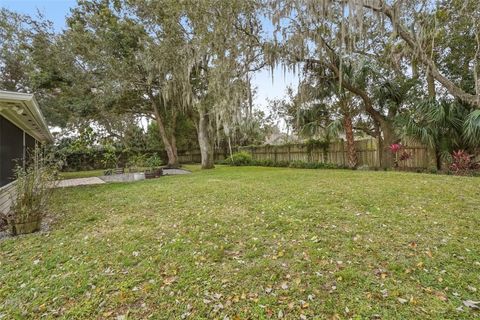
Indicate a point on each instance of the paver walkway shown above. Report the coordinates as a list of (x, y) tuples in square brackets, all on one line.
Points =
[(79, 182), (169, 172), (97, 180)]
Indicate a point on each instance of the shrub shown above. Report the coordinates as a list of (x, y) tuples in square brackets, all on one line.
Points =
[(404, 156), (463, 162), (241, 158), (395, 148), (264, 163), (283, 164), (154, 161), (399, 153), (110, 158), (33, 188), (312, 165), (136, 161)]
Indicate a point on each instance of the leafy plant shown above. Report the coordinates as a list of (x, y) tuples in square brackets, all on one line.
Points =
[(399, 152), (241, 158), (312, 165), (404, 156), (110, 158), (395, 148), (154, 161), (33, 189), (313, 144), (463, 162), (442, 125), (137, 161)]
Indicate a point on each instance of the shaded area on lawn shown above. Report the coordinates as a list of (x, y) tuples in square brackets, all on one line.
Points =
[(253, 243)]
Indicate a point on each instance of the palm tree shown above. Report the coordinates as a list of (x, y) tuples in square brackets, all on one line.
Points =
[(326, 110), (441, 125)]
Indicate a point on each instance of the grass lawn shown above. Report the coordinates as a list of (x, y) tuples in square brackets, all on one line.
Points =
[(82, 174), (253, 243)]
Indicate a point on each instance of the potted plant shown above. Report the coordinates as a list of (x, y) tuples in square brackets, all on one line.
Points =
[(33, 188), (154, 163)]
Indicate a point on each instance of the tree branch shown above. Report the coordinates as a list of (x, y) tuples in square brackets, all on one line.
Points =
[(410, 40)]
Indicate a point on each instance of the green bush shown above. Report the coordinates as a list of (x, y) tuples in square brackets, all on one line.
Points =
[(154, 161), (313, 165), (264, 163), (271, 163), (241, 158), (137, 161)]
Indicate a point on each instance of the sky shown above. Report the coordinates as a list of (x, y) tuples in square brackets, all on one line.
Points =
[(56, 10)]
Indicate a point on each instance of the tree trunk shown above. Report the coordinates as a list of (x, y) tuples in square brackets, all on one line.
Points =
[(431, 85), (438, 159), (351, 150), (388, 137), (175, 163), (169, 140), (170, 145), (205, 140), (432, 93)]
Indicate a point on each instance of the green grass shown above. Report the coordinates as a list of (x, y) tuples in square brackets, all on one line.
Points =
[(81, 174), (253, 243)]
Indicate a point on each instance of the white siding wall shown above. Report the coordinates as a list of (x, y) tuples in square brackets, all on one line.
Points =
[(6, 195)]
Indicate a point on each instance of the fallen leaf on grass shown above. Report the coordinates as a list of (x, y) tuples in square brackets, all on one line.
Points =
[(107, 314), (168, 281), (280, 314), (441, 296), (475, 305)]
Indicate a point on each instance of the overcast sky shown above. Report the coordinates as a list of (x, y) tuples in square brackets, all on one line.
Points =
[(56, 10)]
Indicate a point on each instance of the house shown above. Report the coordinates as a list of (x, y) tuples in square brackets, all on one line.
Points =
[(22, 127)]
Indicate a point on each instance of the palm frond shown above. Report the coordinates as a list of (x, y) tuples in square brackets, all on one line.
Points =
[(471, 129), (334, 128)]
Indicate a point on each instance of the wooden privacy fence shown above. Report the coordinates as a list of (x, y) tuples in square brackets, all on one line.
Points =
[(194, 156), (336, 153)]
